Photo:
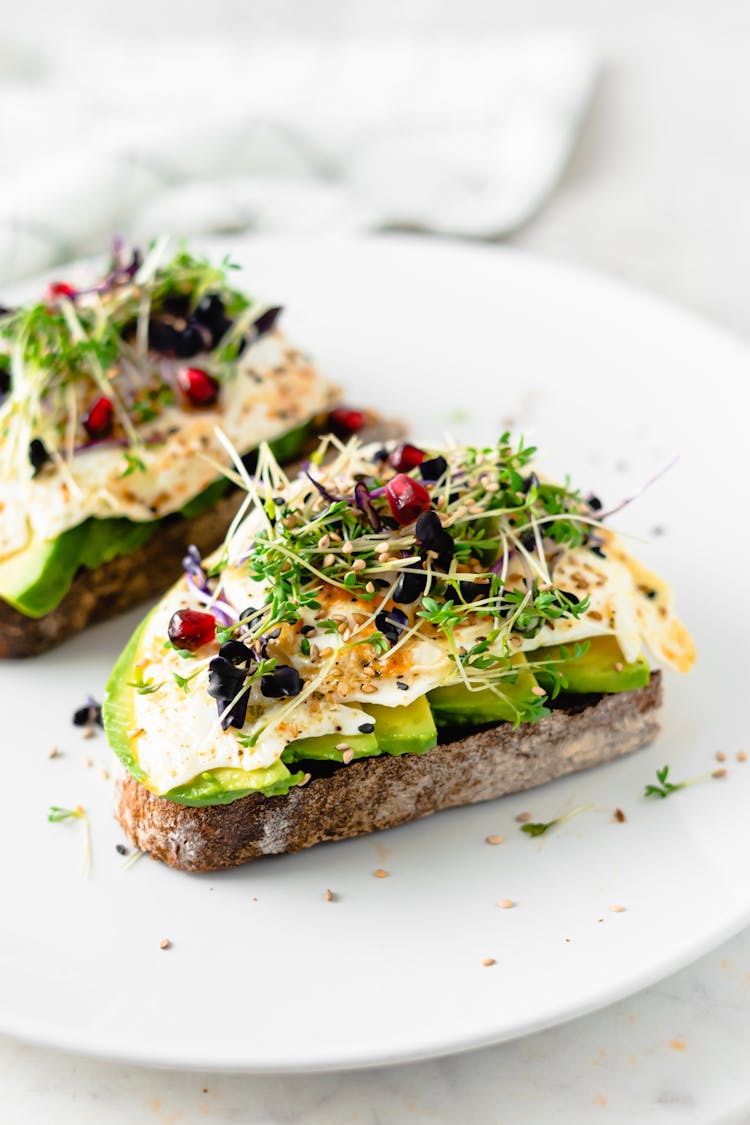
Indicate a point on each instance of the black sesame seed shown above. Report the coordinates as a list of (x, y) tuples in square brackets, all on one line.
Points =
[(307, 629), (38, 455), (366, 728), (401, 685), (597, 551), (266, 322), (121, 849), (595, 503)]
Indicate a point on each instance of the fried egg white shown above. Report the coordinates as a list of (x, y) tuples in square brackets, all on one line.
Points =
[(179, 735), (273, 390)]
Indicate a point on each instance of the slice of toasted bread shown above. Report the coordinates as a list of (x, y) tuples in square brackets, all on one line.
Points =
[(126, 581), (382, 792)]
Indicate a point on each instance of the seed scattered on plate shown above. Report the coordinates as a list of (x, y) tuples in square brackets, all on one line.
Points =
[(328, 895), (617, 909), (619, 816), (88, 763), (489, 961), (380, 873), (121, 849), (523, 817), (505, 903), (719, 773), (493, 840), (720, 756), (165, 943), (87, 732), (55, 753), (741, 756), (105, 774)]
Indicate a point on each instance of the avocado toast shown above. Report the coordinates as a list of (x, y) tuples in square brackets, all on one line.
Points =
[(110, 392), (395, 631)]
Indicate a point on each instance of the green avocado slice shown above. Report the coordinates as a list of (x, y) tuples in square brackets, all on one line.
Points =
[(35, 580), (600, 668), (456, 704), (404, 730)]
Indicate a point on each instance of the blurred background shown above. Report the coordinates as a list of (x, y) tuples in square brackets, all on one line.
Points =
[(609, 132)]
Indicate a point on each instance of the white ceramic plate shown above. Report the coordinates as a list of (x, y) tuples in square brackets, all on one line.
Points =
[(263, 973)]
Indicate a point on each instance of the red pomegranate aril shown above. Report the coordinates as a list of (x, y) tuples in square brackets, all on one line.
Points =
[(98, 421), (200, 388), (346, 421), (191, 629), (57, 289), (407, 498), (406, 457)]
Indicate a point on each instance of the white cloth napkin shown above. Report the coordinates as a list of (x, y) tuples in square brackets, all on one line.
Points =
[(202, 135)]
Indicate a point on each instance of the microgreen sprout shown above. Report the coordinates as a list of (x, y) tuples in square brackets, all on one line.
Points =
[(540, 827), (666, 788)]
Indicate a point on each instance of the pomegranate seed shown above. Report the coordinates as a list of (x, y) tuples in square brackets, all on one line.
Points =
[(407, 498), (191, 629), (346, 421), (57, 289), (198, 386), (98, 421), (406, 457)]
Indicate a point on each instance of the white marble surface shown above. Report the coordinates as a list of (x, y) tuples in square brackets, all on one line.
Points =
[(657, 192)]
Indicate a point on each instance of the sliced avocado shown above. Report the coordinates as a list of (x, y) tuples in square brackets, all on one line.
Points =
[(325, 747), (403, 730), (36, 579), (504, 703), (224, 785), (601, 668)]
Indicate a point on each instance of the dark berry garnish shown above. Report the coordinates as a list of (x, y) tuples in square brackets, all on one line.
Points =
[(266, 322), (177, 305), (194, 338), (198, 386), (225, 682), (237, 653), (98, 422), (191, 629), (470, 591), (89, 714), (4, 379), (433, 469), (282, 682), (595, 503), (432, 536), (406, 457), (572, 598), (391, 623), (411, 585), (529, 482), (527, 539), (210, 310), (38, 454), (407, 498), (162, 337), (345, 421)]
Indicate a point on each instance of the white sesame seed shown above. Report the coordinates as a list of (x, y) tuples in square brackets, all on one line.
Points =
[(370, 587), (165, 943), (536, 690), (359, 564), (368, 688), (54, 752), (489, 961), (347, 756), (505, 903), (617, 909), (329, 561), (493, 839), (329, 896), (348, 547), (342, 746)]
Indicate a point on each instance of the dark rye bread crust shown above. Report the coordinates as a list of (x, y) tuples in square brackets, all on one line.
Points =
[(375, 793), (127, 581)]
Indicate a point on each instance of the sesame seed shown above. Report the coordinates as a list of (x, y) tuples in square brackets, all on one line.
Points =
[(493, 486), (523, 817), (347, 756), (88, 763), (515, 642), (54, 752), (619, 816), (165, 943), (325, 653), (105, 774), (476, 509), (339, 618), (536, 690), (329, 896), (720, 756), (741, 756), (619, 666), (380, 873), (489, 961), (329, 561), (314, 653), (342, 746), (719, 773), (359, 564), (370, 587), (493, 840), (368, 689), (346, 634), (617, 909), (348, 547), (505, 903), (87, 732), (324, 542)]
